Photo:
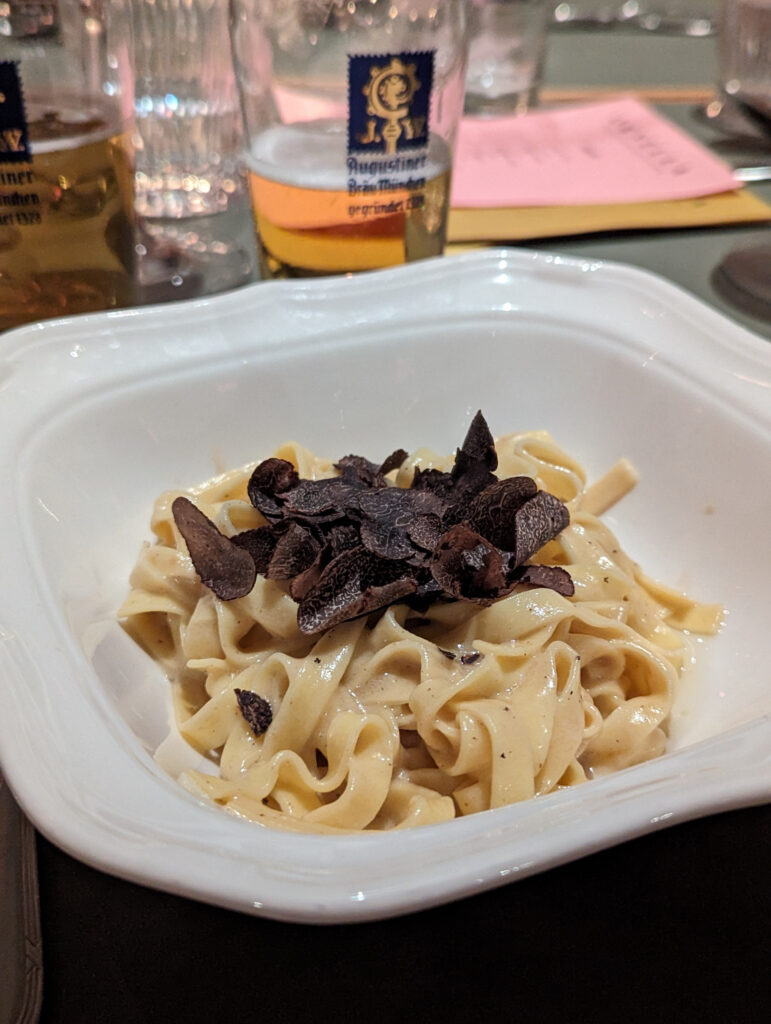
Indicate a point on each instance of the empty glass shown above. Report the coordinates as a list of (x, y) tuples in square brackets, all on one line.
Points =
[(744, 53), (507, 44), (194, 232), (678, 17), (187, 110)]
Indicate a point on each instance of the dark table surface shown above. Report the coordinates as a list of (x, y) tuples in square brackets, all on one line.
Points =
[(673, 925)]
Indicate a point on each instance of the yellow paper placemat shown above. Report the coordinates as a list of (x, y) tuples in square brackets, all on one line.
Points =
[(521, 223)]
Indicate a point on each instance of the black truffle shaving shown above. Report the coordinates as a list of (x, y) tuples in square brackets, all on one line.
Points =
[(387, 516), (492, 513), (354, 583), (554, 577), (434, 480), (536, 522), (351, 545), (478, 447), (295, 551), (466, 658), (270, 479), (260, 543), (224, 567), (468, 567), (257, 712), (355, 468)]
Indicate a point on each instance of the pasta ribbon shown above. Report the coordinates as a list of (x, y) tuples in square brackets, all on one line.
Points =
[(414, 717)]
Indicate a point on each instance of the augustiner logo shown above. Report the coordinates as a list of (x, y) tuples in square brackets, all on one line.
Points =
[(14, 145), (388, 101)]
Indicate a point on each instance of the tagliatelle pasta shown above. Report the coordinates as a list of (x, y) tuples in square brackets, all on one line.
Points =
[(415, 716)]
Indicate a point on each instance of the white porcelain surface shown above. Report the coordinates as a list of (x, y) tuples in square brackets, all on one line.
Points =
[(99, 414)]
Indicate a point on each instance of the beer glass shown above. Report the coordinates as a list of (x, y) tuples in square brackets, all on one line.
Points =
[(351, 110), (65, 167)]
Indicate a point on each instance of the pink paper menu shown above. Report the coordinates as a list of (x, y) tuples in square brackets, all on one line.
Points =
[(616, 151)]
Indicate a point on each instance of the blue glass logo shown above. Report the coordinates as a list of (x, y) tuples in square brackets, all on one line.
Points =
[(14, 143), (389, 99)]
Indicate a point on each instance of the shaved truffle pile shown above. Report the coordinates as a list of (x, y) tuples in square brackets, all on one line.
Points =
[(355, 543)]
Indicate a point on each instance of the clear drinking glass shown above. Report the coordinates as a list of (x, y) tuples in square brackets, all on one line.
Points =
[(744, 53), (590, 14), (351, 110), (507, 45), (187, 109), (672, 17), (66, 217), (678, 17)]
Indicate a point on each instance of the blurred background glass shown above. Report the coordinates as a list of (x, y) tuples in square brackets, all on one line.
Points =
[(66, 191), (677, 17), (686, 17), (507, 44), (187, 113), (351, 114), (587, 13), (191, 198), (744, 54)]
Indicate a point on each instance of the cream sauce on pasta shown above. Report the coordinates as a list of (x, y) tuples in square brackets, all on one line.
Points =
[(381, 723)]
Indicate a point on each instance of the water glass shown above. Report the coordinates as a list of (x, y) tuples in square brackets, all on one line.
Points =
[(507, 45), (591, 14), (677, 17), (351, 111), (744, 53), (188, 120)]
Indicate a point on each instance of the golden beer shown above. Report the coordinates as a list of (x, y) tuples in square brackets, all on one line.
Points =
[(315, 216), (65, 225)]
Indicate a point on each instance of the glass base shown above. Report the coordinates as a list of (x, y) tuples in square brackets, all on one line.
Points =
[(677, 24), (744, 279), (484, 105), (182, 258)]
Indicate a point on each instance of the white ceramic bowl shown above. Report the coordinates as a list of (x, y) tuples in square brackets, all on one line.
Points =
[(99, 414)]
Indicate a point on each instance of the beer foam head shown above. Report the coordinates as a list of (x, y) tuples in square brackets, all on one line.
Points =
[(306, 154), (71, 125), (314, 155)]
